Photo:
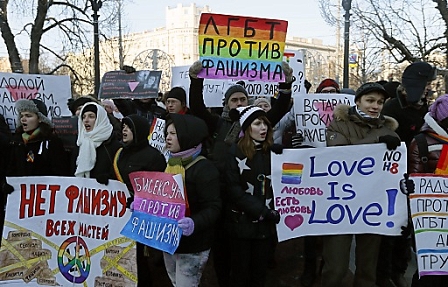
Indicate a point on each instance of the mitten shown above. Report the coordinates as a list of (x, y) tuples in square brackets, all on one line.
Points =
[(130, 203), (277, 148), (390, 141), (102, 178), (296, 140), (187, 226), (128, 69), (195, 69), (273, 216), (6, 188), (70, 103), (407, 186)]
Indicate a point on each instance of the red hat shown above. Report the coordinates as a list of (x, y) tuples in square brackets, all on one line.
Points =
[(328, 83)]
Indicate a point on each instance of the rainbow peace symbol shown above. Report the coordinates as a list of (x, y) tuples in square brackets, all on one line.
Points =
[(74, 267)]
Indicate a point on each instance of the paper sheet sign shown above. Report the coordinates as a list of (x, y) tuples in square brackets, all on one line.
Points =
[(241, 47)]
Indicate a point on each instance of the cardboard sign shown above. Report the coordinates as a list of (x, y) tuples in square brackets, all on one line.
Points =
[(214, 89), (54, 91), (314, 112), (237, 47), (339, 190), (159, 202), (67, 130), (121, 85), (157, 136), (429, 212), (65, 231)]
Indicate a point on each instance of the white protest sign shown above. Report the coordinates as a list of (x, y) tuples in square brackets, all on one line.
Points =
[(54, 91), (65, 231), (339, 190), (214, 89), (157, 136), (314, 112), (429, 211)]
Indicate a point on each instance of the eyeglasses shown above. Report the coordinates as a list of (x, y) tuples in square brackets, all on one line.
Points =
[(329, 91)]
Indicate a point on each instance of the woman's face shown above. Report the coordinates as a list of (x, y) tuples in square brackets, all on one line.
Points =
[(371, 104), (258, 130), (171, 141), (265, 106), (30, 121), (88, 120), (128, 136)]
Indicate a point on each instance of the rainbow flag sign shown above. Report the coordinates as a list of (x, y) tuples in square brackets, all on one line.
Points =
[(240, 47)]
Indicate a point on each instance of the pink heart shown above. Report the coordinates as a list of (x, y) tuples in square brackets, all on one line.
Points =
[(21, 92), (293, 221)]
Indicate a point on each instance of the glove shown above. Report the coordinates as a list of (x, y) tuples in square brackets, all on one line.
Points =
[(407, 186), (187, 226), (70, 103), (128, 69), (102, 178), (390, 141), (296, 140), (130, 203), (7, 188), (195, 69), (273, 216), (277, 148), (406, 231)]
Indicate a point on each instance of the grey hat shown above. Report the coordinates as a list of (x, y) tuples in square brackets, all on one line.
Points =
[(34, 106), (232, 90)]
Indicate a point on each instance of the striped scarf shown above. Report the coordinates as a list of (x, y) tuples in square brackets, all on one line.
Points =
[(442, 163)]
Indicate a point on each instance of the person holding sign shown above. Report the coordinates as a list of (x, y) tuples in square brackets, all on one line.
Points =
[(432, 159), (184, 137), (360, 124), (137, 155), (97, 144), (249, 214)]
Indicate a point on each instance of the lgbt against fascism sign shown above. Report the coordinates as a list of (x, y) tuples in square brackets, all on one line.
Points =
[(65, 231), (429, 212), (339, 190), (54, 91), (240, 47), (159, 202)]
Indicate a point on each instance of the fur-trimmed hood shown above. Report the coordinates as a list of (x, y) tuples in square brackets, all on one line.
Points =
[(345, 113)]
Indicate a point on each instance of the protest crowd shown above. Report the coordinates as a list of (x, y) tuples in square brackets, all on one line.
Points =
[(224, 157)]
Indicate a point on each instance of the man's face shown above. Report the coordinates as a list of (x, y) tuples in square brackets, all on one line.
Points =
[(237, 100)]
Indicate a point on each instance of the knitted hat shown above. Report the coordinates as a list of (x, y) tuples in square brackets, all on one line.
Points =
[(140, 129), (370, 87), (177, 93), (89, 107), (232, 90), (246, 115), (190, 130), (34, 106), (439, 109), (262, 100), (415, 78), (328, 83)]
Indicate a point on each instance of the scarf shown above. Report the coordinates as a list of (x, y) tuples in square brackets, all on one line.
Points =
[(26, 137), (441, 136), (89, 141), (234, 132), (176, 165), (364, 115)]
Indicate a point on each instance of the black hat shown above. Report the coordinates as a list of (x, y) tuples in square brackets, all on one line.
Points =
[(232, 90), (140, 129), (73, 106), (370, 87), (391, 88), (190, 130), (177, 93), (246, 115), (89, 107), (415, 78)]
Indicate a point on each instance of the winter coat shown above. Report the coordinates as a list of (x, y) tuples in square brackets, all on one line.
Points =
[(415, 164), (202, 188), (104, 158), (138, 155), (285, 122), (410, 120), (50, 158), (349, 128), (249, 193)]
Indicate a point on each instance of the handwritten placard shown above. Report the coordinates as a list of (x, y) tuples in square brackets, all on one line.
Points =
[(314, 112), (65, 231), (237, 47), (429, 212), (138, 85), (339, 190), (159, 202), (157, 136)]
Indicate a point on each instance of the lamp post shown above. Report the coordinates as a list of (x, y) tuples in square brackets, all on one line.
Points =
[(347, 5), (96, 5)]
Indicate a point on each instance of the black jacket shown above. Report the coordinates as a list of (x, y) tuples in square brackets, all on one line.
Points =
[(202, 188), (249, 195), (148, 110)]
